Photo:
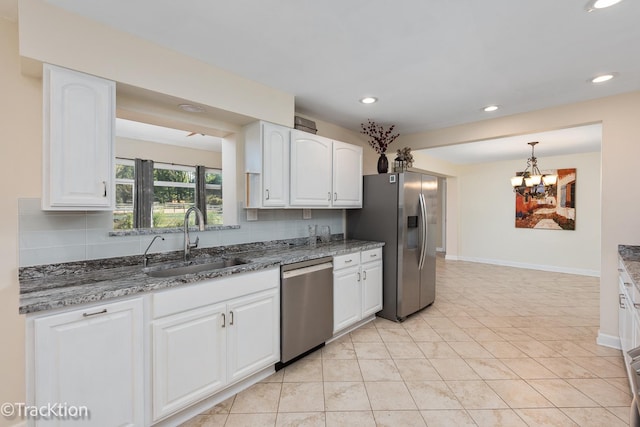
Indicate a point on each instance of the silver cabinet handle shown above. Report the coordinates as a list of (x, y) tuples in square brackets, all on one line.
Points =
[(267, 190), (224, 320), (335, 196), (329, 196), (364, 275), (627, 284), (348, 261), (231, 314), (636, 305), (358, 276), (621, 300), (104, 311), (619, 270), (104, 184)]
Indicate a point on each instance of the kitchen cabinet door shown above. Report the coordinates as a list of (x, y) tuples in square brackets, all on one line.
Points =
[(625, 318), (275, 168), (371, 288), (79, 118), (347, 297), (347, 175), (267, 150), (253, 331), (92, 357), (189, 358), (311, 170)]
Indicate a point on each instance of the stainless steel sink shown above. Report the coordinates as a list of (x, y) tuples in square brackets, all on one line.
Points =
[(191, 267)]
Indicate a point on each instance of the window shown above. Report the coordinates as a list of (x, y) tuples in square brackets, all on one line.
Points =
[(213, 195), (167, 195), (125, 180), (174, 191)]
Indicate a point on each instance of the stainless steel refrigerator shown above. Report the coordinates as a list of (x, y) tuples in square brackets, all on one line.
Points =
[(400, 209)]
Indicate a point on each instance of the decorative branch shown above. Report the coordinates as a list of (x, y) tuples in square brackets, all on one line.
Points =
[(379, 138)]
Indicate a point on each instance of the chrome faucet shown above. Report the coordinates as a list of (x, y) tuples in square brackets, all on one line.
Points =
[(145, 257), (187, 241)]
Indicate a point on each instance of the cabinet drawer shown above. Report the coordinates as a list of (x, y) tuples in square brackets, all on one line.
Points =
[(348, 260), (213, 291), (371, 255)]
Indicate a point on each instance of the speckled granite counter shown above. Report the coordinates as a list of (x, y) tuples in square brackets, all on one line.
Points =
[(630, 256), (47, 287)]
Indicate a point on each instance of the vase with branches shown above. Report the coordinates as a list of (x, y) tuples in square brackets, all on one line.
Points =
[(379, 140)]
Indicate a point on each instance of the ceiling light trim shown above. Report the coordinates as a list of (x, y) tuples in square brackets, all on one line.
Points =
[(600, 4), (190, 108), (602, 78), (369, 100), (491, 108)]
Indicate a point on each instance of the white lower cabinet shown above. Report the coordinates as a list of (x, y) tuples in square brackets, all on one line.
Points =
[(90, 357), (629, 303), (347, 297), (189, 352), (253, 334), (371, 287), (212, 334), (357, 287), (138, 361)]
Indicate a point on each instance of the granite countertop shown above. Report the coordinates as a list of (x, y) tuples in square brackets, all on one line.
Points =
[(631, 259), (47, 287)]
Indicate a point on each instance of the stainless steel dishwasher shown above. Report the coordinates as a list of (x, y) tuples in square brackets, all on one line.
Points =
[(306, 307)]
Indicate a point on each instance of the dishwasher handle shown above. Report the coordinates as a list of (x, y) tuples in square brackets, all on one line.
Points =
[(306, 270)]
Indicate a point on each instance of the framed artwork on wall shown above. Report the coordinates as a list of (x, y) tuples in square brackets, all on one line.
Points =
[(555, 210)]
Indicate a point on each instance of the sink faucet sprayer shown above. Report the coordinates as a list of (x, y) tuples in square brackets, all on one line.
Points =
[(187, 241), (145, 257)]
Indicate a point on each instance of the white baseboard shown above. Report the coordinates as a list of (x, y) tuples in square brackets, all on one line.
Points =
[(451, 257), (553, 268), (611, 341)]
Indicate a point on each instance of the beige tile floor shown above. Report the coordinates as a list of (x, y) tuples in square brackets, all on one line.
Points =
[(500, 347)]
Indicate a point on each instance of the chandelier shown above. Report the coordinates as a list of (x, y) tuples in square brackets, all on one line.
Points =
[(531, 182)]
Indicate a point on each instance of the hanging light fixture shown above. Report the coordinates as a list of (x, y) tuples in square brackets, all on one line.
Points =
[(531, 182)]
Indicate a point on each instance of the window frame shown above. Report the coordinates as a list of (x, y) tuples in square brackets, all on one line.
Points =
[(138, 185)]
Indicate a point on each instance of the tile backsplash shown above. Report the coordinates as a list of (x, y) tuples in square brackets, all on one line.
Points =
[(47, 237)]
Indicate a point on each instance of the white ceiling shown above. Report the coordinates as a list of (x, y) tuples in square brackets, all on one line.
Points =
[(163, 135), (582, 139), (431, 63)]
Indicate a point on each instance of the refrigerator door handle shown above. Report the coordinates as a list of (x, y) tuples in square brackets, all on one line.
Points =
[(423, 240)]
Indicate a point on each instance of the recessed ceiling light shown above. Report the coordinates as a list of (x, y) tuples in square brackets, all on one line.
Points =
[(600, 4), (602, 78), (490, 108), (369, 100), (190, 108)]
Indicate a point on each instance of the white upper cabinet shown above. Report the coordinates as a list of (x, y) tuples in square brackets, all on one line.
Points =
[(267, 165), (289, 168), (311, 169), (347, 175), (78, 132), (324, 173)]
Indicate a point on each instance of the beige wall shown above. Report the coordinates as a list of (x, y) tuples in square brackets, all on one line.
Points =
[(20, 150), (620, 151), (166, 153), (487, 212), (53, 35)]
